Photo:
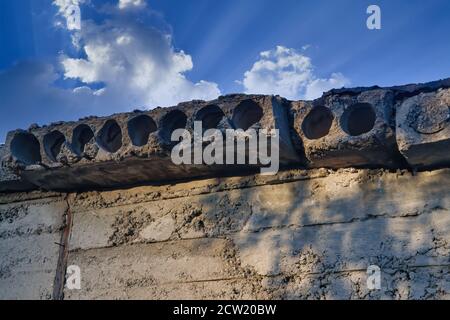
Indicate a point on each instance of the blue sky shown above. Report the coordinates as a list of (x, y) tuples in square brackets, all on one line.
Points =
[(141, 54)]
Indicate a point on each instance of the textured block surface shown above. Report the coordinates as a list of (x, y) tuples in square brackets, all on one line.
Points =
[(423, 129), (343, 130)]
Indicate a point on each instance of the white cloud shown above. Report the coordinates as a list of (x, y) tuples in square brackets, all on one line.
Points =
[(135, 62), (290, 74), (127, 62), (306, 47), (125, 4)]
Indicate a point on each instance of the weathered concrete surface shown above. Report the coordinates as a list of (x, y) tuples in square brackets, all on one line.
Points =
[(423, 129), (158, 269), (302, 234), (134, 148), (29, 250), (354, 127), (294, 237), (344, 130), (9, 181)]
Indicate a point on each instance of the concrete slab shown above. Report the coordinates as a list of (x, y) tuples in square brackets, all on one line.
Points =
[(135, 148), (423, 129), (10, 181), (346, 130)]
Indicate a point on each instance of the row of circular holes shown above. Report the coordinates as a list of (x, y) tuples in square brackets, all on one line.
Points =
[(356, 120), (26, 148)]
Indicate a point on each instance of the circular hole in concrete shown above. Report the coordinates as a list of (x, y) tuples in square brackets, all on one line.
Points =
[(210, 116), (53, 142), (140, 128), (109, 137), (429, 118), (173, 120), (317, 123), (26, 148), (358, 119), (246, 114), (82, 134)]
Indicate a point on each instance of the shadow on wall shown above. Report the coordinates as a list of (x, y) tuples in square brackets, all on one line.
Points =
[(315, 239)]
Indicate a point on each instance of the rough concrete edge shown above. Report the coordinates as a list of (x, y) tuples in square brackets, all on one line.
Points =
[(16, 197)]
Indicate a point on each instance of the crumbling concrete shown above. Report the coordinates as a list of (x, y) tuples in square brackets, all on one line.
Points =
[(340, 131), (9, 181), (423, 129), (30, 245), (306, 238), (307, 234), (132, 148), (357, 127)]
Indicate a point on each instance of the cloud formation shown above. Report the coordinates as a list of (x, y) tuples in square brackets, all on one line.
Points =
[(122, 61), (124, 4), (125, 59), (288, 73), (135, 62)]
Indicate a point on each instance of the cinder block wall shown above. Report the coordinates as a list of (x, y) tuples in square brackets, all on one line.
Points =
[(298, 235)]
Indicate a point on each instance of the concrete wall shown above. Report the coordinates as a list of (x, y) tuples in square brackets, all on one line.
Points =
[(298, 235), (30, 233)]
